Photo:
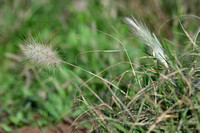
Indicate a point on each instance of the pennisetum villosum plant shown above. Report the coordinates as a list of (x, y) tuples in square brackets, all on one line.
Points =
[(153, 90)]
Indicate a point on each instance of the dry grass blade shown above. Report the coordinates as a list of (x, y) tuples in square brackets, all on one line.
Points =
[(163, 115), (186, 33)]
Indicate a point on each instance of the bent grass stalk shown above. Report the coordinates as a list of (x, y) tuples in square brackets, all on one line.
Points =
[(43, 55), (108, 82)]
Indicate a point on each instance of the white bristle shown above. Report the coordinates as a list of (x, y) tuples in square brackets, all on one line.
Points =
[(40, 54), (142, 32)]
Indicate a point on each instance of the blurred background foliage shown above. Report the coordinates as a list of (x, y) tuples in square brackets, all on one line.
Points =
[(32, 95)]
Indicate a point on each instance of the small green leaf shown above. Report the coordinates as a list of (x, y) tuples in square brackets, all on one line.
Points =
[(6, 128)]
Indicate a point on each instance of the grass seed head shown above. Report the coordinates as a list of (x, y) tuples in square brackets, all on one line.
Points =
[(142, 32), (40, 54)]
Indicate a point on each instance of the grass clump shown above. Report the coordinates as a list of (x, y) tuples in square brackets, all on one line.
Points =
[(157, 99)]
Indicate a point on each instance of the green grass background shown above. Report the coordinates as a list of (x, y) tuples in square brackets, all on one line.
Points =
[(74, 27)]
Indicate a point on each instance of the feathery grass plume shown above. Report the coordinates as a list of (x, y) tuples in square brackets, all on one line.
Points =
[(143, 33), (40, 54)]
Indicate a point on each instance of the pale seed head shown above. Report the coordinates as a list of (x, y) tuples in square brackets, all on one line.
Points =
[(40, 54), (142, 32)]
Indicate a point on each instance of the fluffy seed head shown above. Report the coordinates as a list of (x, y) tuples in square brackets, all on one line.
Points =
[(40, 54), (142, 32)]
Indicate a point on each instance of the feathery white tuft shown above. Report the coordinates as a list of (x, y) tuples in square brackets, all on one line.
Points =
[(40, 54), (142, 32)]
